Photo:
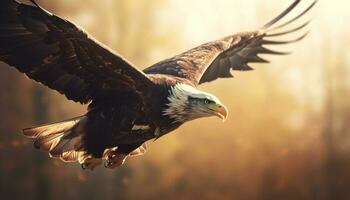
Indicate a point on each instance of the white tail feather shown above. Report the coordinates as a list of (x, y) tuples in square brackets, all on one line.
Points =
[(62, 140), (48, 129)]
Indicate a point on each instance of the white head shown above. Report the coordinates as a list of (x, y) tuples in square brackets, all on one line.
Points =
[(187, 103)]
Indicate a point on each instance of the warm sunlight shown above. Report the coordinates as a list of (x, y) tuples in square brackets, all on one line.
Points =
[(286, 137)]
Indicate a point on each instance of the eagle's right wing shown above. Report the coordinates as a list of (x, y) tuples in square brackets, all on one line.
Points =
[(56, 53)]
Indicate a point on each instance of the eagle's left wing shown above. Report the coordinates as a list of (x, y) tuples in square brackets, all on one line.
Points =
[(215, 60)]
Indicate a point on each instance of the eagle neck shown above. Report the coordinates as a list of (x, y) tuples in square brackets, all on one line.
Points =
[(177, 107)]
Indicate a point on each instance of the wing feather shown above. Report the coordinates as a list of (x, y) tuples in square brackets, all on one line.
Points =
[(216, 59), (56, 53)]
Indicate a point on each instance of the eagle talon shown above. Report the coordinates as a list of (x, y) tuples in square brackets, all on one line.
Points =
[(153, 102), (114, 160), (112, 155), (107, 164)]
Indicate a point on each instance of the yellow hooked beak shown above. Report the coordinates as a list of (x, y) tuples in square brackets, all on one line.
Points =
[(220, 111)]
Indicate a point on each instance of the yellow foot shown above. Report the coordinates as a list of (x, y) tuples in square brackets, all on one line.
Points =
[(114, 159)]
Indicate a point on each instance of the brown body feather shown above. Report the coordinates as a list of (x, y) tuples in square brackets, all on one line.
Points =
[(56, 53)]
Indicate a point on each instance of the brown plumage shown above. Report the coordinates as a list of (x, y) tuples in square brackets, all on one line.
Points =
[(127, 106), (214, 60)]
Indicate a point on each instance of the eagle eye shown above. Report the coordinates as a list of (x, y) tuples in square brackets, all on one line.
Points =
[(207, 101)]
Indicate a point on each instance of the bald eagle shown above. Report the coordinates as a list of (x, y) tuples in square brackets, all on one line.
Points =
[(127, 106)]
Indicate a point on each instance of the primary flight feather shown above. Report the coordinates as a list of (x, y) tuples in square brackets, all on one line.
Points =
[(127, 106)]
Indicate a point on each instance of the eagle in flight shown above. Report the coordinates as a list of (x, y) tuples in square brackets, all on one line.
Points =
[(127, 106)]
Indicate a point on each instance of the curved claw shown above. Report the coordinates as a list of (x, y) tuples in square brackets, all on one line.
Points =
[(107, 163), (114, 159), (111, 156)]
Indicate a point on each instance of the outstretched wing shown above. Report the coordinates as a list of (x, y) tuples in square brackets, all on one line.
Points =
[(215, 60), (56, 53)]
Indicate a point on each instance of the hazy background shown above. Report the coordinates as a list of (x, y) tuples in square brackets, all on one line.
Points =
[(287, 135)]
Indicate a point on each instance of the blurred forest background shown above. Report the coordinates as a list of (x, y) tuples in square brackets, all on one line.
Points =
[(287, 136)]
